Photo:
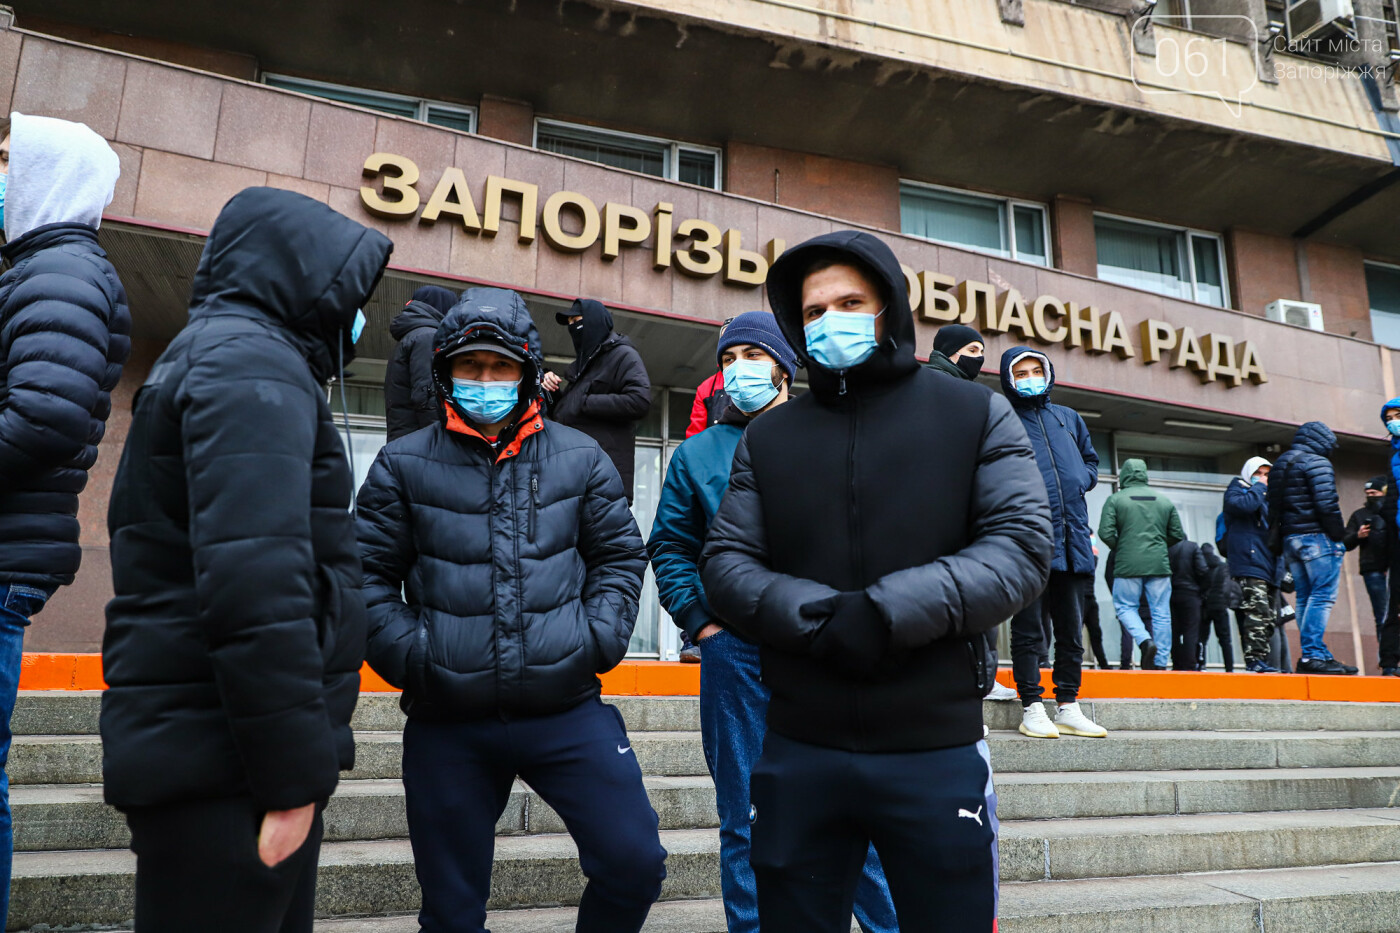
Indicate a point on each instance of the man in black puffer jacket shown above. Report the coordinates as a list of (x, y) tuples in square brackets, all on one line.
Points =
[(234, 644), (872, 530), (64, 335), (1190, 583), (410, 401), (502, 572), (608, 389), (1307, 530)]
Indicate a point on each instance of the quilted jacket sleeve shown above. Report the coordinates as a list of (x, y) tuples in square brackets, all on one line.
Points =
[(677, 537), (615, 557), (1007, 562), (760, 603), (54, 341), (249, 426), (386, 552), (1322, 484)]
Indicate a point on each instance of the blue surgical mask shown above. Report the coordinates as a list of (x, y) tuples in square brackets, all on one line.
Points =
[(750, 384), (1393, 427), (486, 402), (841, 339), (1032, 386), (358, 327)]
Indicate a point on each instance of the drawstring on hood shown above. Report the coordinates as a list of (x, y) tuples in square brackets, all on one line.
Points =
[(893, 358), (60, 172)]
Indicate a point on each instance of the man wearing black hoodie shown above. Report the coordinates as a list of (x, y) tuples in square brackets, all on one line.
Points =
[(608, 389), (410, 401), (867, 559), (234, 644)]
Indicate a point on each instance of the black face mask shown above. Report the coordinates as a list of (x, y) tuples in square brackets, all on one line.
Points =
[(576, 334), (970, 365)]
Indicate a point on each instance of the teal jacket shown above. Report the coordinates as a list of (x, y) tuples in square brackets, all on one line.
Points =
[(1140, 524), (695, 483)]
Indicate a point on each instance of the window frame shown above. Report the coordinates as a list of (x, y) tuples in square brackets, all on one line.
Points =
[(672, 156), (1013, 253), (1371, 309), (1186, 233), (421, 104)]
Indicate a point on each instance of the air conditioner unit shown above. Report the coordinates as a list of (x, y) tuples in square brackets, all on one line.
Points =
[(1315, 20), (1298, 313)]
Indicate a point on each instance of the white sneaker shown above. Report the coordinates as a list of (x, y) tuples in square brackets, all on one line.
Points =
[(1036, 724), (1001, 692), (1072, 721)]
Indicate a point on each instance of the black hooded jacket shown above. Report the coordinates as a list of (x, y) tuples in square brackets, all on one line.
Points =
[(608, 389), (890, 483), (234, 644), (64, 335), (410, 401), (501, 580), (1375, 547), (1303, 486)]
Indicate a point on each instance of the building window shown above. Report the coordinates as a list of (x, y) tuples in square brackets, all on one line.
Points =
[(1383, 286), (1166, 260), (452, 116), (664, 158), (1011, 229)]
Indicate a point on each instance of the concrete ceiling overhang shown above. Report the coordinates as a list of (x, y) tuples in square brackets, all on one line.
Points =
[(706, 84)]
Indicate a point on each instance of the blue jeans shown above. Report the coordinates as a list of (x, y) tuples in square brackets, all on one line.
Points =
[(1316, 563), (17, 604), (1127, 596), (733, 707), (1380, 595)]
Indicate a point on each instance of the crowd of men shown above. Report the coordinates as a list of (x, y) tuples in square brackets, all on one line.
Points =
[(490, 567)]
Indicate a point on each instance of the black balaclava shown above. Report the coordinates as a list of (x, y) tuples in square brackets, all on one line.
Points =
[(589, 333)]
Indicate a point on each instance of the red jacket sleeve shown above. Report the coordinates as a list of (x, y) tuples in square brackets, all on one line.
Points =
[(699, 414)]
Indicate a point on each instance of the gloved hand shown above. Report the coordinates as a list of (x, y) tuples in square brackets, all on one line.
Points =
[(855, 637)]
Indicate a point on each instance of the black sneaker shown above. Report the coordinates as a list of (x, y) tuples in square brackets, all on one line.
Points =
[(1390, 672), (1323, 666), (1258, 666), (1149, 654)]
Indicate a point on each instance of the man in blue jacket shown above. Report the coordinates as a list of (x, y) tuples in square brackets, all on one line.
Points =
[(1069, 466), (64, 336), (758, 367), (1305, 517), (502, 568), (1252, 564)]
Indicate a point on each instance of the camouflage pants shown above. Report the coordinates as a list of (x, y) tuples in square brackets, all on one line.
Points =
[(1256, 617)]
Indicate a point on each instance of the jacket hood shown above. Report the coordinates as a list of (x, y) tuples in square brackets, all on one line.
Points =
[(293, 261), (1392, 404), (428, 306), (1008, 386), (1133, 473), (1316, 437), (492, 314), (895, 355), (60, 172), (1250, 466), (597, 327)]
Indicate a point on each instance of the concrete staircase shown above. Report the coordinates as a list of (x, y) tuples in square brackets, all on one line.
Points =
[(1193, 815)]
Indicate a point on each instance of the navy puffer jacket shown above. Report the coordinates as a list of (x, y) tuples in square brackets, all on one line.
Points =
[(1067, 460), (64, 335), (234, 643), (1247, 531), (1303, 486), (501, 579)]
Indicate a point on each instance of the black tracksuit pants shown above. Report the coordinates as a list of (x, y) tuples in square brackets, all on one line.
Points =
[(1186, 628), (1217, 617), (1064, 596), (931, 816), (197, 868), (457, 778)]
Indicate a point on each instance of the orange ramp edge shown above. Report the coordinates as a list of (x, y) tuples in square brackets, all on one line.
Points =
[(73, 671)]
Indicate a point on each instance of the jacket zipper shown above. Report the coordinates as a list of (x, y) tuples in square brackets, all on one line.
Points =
[(534, 502), (1059, 489), (853, 518)]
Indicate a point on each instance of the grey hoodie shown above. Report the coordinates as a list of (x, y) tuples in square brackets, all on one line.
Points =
[(60, 172)]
